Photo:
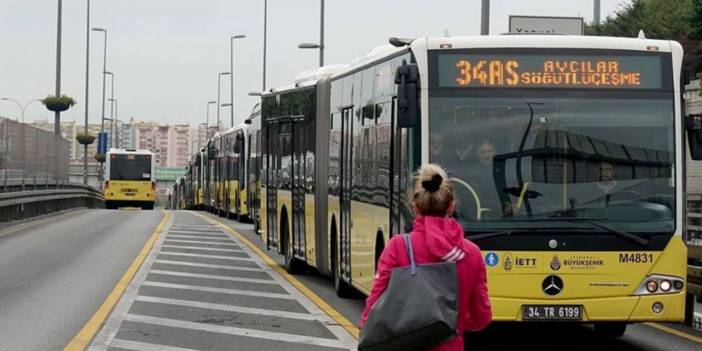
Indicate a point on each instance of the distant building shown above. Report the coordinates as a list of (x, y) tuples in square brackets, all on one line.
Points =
[(170, 144)]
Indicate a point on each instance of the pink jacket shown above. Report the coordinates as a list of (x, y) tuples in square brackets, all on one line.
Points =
[(435, 239)]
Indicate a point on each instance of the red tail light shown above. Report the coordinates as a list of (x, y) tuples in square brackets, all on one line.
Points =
[(153, 186), (107, 184)]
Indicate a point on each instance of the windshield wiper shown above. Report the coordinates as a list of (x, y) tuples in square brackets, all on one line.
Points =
[(626, 235), (489, 235), (593, 222)]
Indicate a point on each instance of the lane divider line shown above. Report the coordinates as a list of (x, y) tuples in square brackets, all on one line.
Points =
[(81, 340), (323, 305), (673, 331)]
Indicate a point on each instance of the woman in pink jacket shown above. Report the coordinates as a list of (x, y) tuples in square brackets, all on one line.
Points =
[(438, 237)]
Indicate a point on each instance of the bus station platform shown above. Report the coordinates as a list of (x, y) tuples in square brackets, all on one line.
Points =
[(202, 287)]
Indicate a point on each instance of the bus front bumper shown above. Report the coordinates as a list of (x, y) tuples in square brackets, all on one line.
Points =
[(624, 308)]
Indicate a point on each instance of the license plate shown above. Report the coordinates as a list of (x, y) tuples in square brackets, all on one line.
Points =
[(552, 312)]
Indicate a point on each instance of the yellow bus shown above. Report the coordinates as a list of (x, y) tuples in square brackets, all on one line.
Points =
[(129, 180), (230, 173), (566, 153)]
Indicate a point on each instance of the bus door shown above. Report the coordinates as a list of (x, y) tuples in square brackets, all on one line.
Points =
[(298, 186), (272, 182), (345, 160), (285, 174), (241, 178), (399, 172)]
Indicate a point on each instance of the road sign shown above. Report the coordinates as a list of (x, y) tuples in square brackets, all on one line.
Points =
[(169, 173), (102, 143), (546, 25)]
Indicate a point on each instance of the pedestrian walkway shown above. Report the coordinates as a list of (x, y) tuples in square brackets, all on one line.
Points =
[(201, 289)]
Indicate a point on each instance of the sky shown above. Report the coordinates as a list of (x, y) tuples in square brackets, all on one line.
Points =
[(166, 54)]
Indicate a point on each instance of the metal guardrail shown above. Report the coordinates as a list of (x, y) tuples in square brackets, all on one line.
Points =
[(15, 205)]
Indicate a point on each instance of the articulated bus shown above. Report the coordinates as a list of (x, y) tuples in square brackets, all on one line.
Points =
[(129, 180), (566, 154)]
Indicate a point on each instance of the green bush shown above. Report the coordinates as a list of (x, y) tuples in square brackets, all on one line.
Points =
[(100, 158)]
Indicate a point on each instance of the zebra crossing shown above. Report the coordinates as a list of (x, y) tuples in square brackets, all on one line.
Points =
[(201, 289)]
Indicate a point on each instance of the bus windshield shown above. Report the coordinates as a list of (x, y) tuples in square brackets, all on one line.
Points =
[(130, 167), (519, 162)]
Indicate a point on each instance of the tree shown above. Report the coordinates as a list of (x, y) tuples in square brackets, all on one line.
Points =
[(679, 20)]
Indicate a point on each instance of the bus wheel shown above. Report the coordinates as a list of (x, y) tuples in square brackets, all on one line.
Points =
[(109, 205), (610, 329), (342, 288), (149, 206), (292, 264)]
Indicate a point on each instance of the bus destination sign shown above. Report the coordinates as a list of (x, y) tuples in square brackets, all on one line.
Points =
[(550, 71)]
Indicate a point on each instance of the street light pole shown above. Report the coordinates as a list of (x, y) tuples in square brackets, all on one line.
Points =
[(104, 69), (112, 97), (87, 91), (113, 117), (265, 35), (321, 34), (231, 69), (57, 115), (22, 108), (219, 89), (207, 123)]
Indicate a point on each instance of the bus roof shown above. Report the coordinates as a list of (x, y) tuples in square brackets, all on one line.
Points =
[(130, 151), (547, 41)]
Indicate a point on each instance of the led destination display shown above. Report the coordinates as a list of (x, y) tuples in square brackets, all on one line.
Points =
[(550, 71)]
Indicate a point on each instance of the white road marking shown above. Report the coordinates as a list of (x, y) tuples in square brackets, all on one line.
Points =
[(200, 242), (213, 276), (228, 308), (144, 346), (207, 265), (253, 333), (211, 237), (219, 290), (106, 337), (202, 248), (206, 256)]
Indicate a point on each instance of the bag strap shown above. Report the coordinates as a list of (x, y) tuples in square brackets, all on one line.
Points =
[(410, 253)]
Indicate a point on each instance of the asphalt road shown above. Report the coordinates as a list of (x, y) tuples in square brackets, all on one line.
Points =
[(55, 275)]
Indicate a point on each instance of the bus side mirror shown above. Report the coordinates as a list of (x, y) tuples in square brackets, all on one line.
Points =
[(406, 79), (693, 125)]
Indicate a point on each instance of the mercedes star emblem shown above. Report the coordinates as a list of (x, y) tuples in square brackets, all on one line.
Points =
[(552, 285)]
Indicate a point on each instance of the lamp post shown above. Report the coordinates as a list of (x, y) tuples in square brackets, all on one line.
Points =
[(219, 89), (112, 97), (113, 117), (320, 45), (265, 36), (22, 108), (207, 122), (87, 90), (104, 70), (231, 69)]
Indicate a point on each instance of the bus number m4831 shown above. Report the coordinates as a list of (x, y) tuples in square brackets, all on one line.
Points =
[(636, 257)]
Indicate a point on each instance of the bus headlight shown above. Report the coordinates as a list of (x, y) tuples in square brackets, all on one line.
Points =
[(652, 286), (659, 284)]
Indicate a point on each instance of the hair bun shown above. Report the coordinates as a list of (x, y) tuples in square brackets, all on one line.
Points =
[(434, 184)]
